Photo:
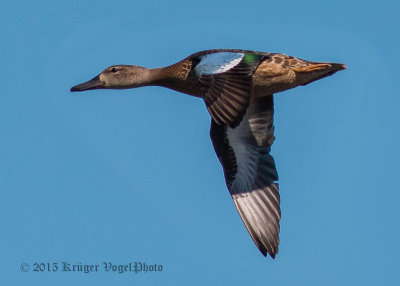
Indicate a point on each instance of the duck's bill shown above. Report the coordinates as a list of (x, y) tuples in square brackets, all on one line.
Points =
[(94, 83)]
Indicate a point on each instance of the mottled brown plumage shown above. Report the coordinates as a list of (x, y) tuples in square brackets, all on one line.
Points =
[(237, 87)]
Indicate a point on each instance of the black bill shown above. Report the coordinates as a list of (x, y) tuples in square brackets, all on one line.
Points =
[(94, 83)]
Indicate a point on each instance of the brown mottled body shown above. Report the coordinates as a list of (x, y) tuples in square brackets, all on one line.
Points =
[(281, 72), (275, 73)]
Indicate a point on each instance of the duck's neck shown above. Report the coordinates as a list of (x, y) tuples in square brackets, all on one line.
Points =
[(165, 74), (158, 76), (174, 77)]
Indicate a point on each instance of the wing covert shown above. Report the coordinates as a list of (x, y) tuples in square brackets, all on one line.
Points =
[(228, 84)]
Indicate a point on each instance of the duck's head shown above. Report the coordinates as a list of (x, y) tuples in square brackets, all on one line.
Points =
[(117, 77)]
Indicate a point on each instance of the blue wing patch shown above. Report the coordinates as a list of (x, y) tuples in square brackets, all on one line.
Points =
[(216, 63)]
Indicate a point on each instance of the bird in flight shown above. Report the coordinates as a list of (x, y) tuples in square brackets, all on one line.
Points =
[(237, 87)]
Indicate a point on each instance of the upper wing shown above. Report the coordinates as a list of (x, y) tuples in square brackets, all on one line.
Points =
[(227, 78), (250, 171)]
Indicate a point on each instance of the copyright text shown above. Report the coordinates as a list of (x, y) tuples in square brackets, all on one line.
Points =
[(106, 266)]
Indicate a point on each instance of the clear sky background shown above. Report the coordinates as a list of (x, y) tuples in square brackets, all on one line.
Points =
[(125, 176)]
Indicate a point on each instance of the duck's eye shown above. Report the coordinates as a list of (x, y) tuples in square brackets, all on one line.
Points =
[(113, 69)]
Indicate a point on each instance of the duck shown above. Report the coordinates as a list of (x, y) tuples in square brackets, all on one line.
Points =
[(237, 87)]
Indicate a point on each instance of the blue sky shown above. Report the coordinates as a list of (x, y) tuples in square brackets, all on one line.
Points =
[(125, 176)]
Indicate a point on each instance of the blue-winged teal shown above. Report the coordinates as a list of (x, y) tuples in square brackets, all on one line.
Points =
[(237, 87)]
